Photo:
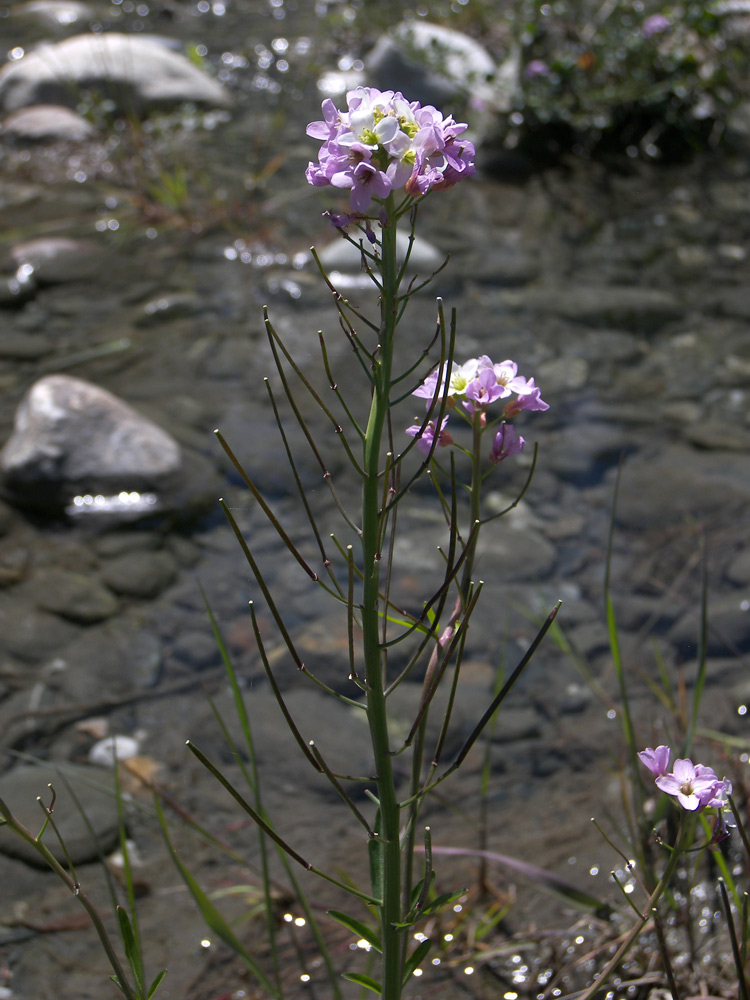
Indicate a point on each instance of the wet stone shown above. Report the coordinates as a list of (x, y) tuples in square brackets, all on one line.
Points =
[(140, 574), (59, 260), (196, 650), (72, 437), (109, 661), (525, 553), (24, 346), (641, 310), (681, 483), (738, 570), (84, 836), (138, 73), (728, 632), (29, 634), (431, 63), (46, 122), (75, 596)]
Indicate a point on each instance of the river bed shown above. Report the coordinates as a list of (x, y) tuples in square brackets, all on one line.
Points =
[(622, 291)]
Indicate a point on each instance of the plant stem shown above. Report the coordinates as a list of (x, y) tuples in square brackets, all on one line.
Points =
[(374, 658)]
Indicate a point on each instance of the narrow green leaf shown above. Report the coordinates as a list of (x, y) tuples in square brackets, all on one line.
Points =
[(130, 944), (156, 983), (366, 981), (210, 914), (417, 956), (440, 901), (357, 927)]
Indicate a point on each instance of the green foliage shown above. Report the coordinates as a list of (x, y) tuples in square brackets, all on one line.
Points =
[(655, 79)]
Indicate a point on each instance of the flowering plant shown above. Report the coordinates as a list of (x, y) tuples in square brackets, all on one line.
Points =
[(695, 786), (384, 143)]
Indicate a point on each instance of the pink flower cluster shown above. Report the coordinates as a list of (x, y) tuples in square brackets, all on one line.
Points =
[(477, 384), (695, 786), (384, 143)]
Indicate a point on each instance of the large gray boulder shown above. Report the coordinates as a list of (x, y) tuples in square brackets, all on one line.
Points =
[(72, 438), (432, 64), (139, 73)]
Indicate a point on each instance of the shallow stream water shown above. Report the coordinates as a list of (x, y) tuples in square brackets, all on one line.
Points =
[(622, 291)]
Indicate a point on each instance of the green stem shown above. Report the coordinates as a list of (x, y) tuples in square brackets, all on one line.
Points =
[(20, 830), (374, 660), (684, 835), (474, 507)]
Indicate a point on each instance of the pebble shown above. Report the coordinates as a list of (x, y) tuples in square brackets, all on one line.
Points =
[(105, 752), (76, 596), (141, 574), (88, 825)]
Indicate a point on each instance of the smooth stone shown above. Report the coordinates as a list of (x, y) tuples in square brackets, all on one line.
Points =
[(141, 574), (523, 552), (117, 543), (48, 121), (29, 634), (74, 596), (681, 483), (430, 63), (106, 751), (71, 437), (59, 259), (564, 374), (139, 72), (196, 650), (718, 435), (581, 453), (88, 824), (108, 662), (732, 301), (738, 570), (728, 631), (640, 310), (25, 346), (61, 13)]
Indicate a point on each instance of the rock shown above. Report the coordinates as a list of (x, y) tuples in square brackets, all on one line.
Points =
[(48, 121), (108, 662), (88, 824), (72, 438), (74, 596), (738, 570), (105, 751), (728, 628), (57, 260), (140, 574), (29, 634), (523, 552), (60, 13), (137, 72), (25, 346), (196, 650), (431, 64), (681, 483), (641, 310)]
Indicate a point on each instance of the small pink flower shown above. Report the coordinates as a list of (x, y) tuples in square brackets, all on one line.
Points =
[(657, 761), (693, 785), (427, 436)]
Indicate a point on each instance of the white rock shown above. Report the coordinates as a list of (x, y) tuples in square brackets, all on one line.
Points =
[(138, 72), (105, 751), (48, 121), (430, 63), (71, 437)]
